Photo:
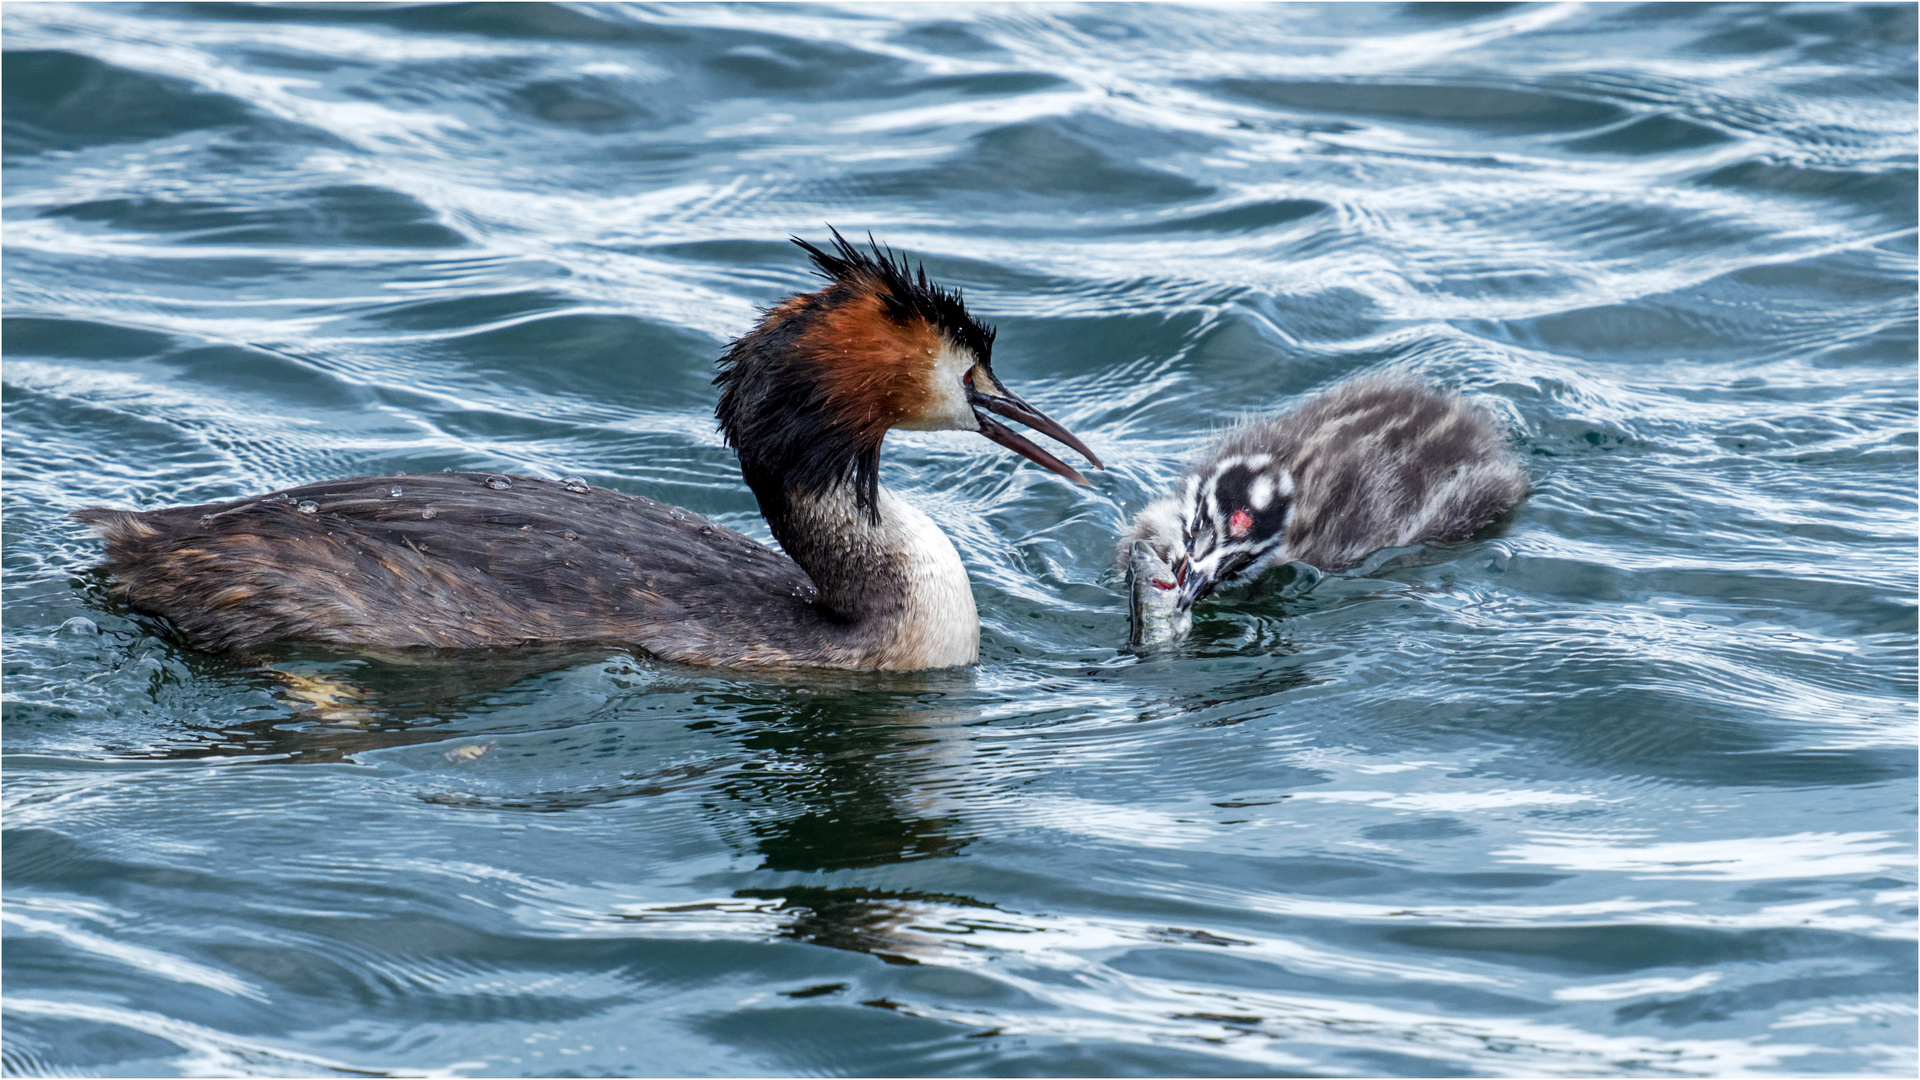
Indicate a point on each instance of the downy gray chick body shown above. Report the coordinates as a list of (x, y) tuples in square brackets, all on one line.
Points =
[(1376, 462)]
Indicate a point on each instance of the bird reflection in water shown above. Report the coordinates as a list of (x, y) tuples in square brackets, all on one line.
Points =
[(865, 780), (818, 772), (807, 775)]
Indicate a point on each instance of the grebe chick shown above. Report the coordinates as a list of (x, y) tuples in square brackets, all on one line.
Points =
[(1374, 463), (465, 560)]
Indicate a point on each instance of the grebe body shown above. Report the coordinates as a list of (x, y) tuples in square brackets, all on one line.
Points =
[(468, 560), (1376, 462)]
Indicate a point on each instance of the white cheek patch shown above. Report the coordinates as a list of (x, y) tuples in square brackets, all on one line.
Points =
[(1284, 485), (1260, 492), (947, 408)]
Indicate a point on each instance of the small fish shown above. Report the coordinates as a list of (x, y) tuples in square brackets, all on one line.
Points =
[(1155, 613)]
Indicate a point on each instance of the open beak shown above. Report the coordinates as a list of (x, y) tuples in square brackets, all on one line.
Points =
[(1194, 583), (985, 392)]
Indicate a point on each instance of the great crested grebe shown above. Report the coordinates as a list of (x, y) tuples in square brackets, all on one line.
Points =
[(1374, 463), (470, 560)]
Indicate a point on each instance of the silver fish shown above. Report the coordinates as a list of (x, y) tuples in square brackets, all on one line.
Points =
[(1155, 613)]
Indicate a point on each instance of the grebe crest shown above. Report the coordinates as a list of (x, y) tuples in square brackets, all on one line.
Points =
[(808, 396)]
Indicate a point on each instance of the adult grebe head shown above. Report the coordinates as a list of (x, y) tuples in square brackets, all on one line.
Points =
[(808, 396)]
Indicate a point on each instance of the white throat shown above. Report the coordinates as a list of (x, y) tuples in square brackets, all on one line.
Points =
[(940, 626), (898, 580)]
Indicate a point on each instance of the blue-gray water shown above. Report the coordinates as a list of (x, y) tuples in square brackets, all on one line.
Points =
[(1625, 787)]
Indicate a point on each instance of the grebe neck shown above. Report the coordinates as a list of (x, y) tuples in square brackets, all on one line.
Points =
[(888, 572)]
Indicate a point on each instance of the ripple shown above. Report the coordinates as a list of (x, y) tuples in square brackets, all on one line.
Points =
[(347, 214), (61, 100), (1621, 785), (1485, 109)]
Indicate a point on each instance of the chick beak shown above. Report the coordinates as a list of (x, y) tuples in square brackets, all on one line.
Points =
[(1195, 587), (1194, 583), (985, 392)]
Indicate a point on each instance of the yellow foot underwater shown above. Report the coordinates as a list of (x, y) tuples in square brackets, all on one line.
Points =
[(332, 700)]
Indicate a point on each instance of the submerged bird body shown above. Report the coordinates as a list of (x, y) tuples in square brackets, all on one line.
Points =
[(466, 560), (1375, 463)]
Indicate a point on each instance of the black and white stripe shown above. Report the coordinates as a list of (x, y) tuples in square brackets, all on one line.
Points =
[(1374, 463)]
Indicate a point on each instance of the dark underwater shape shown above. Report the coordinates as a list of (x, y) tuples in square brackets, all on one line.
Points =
[(1497, 109), (342, 214), (60, 101), (1655, 134), (1248, 218), (1038, 161), (1891, 192)]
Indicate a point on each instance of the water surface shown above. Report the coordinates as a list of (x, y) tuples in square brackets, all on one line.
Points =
[(1625, 786)]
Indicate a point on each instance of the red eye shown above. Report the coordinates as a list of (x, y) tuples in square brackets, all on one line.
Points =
[(1239, 524)]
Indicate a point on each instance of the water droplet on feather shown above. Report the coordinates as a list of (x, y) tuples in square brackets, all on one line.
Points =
[(429, 513), (575, 485), (498, 482), (393, 492), (308, 506)]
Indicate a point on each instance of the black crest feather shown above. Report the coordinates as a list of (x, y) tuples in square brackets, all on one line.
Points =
[(907, 293), (774, 408)]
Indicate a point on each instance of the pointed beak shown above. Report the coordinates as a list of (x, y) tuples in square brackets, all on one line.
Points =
[(1194, 583), (985, 392)]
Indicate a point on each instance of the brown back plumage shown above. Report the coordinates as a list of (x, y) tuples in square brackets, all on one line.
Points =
[(455, 563)]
